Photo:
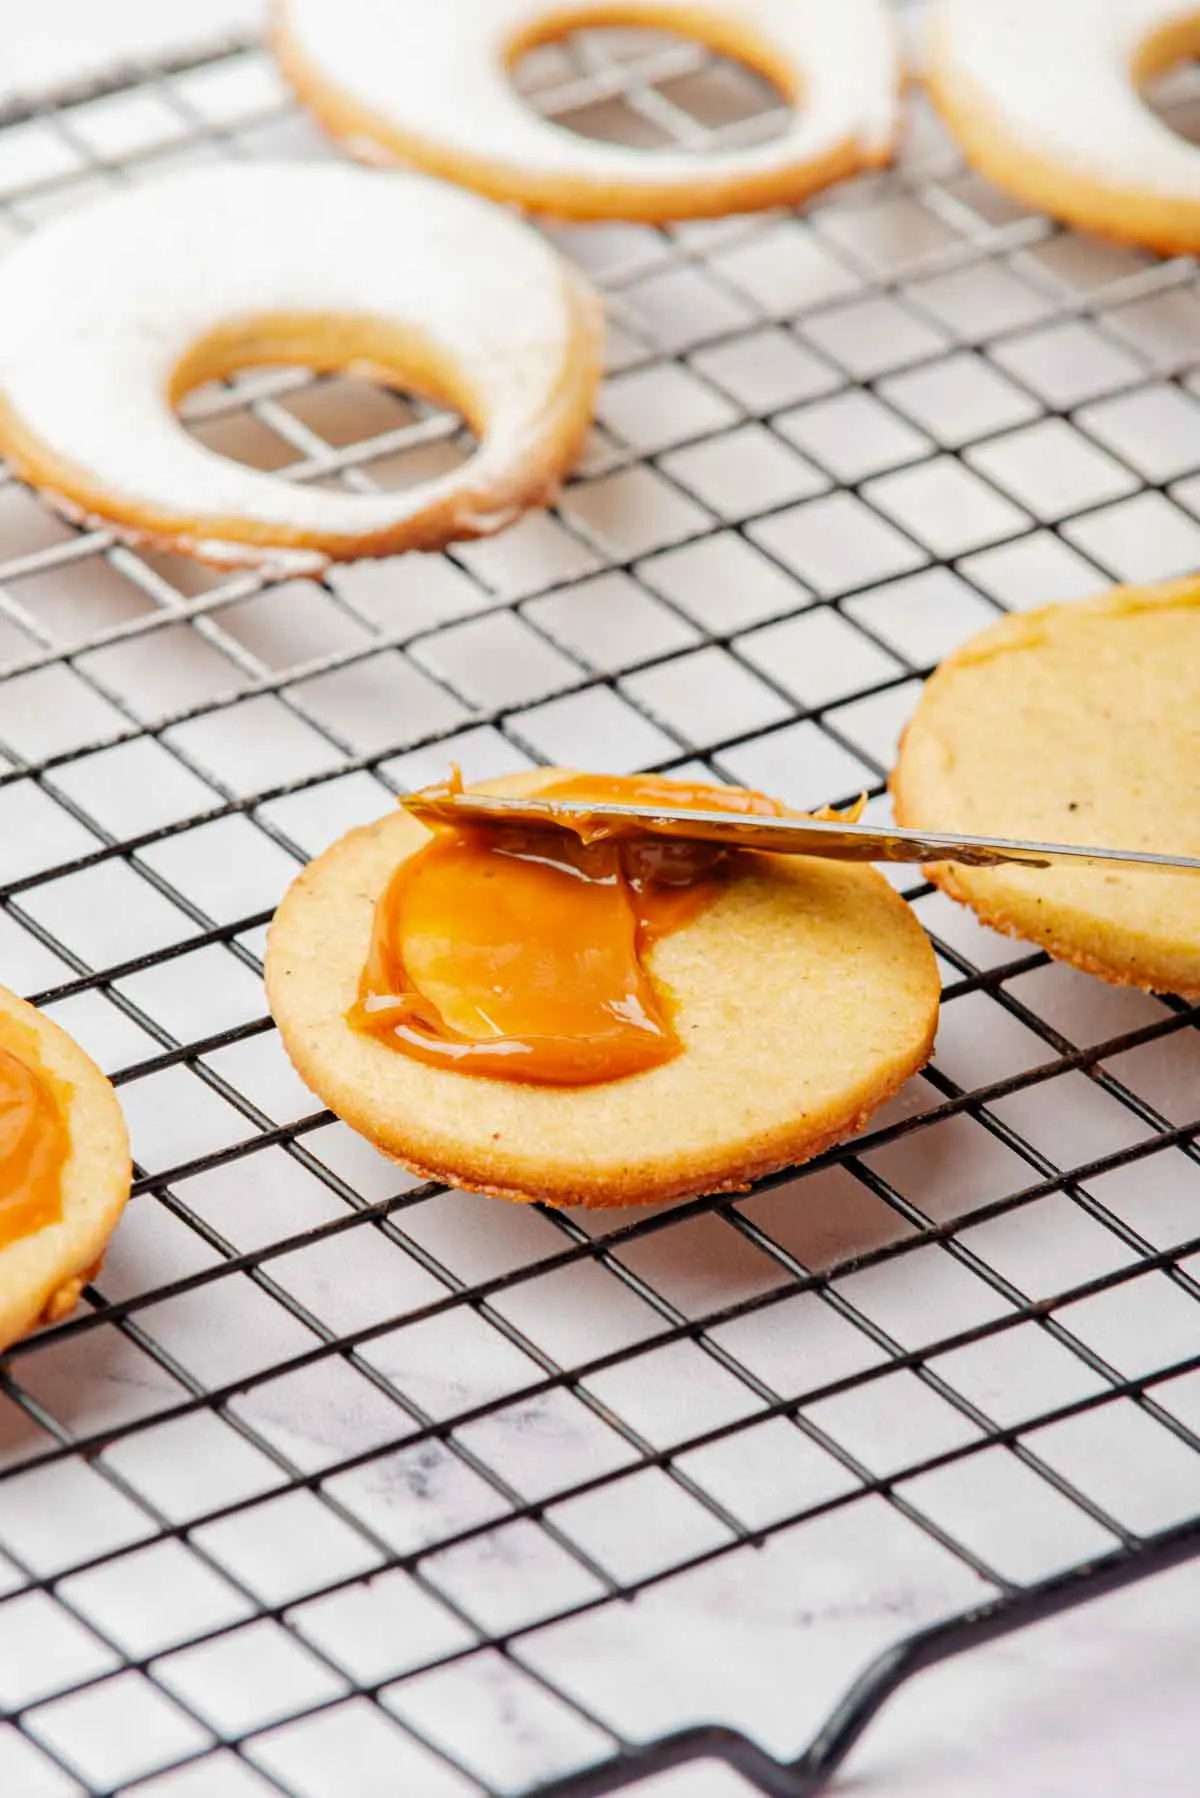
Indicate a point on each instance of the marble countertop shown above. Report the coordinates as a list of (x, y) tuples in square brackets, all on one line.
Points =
[(58, 42)]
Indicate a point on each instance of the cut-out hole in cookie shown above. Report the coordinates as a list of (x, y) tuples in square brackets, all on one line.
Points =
[(1173, 94), (341, 432), (649, 90)]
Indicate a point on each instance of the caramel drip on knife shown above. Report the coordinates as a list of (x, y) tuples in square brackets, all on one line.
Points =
[(519, 951)]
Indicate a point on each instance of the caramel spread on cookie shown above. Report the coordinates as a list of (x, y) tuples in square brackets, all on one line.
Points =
[(34, 1139), (519, 951)]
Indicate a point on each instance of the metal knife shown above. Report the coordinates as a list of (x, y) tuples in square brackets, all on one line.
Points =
[(834, 840)]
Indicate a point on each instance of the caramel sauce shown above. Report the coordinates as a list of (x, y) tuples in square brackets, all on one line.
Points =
[(34, 1137), (519, 951)]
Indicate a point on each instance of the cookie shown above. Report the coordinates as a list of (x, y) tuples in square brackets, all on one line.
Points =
[(431, 85), (1079, 724), (804, 994), (1044, 100), (109, 315), (64, 1169)]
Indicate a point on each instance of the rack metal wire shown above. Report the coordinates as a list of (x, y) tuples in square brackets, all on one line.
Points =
[(337, 1470)]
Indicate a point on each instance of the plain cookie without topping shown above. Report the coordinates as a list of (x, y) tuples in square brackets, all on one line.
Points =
[(1081, 724)]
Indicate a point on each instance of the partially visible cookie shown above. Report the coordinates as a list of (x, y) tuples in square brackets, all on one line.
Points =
[(43, 1270), (432, 86), (1043, 96), (805, 993), (1078, 724)]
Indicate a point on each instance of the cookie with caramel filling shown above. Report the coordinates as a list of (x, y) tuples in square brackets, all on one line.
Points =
[(762, 1015), (64, 1169)]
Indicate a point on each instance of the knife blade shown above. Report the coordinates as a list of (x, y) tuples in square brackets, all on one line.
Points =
[(836, 840)]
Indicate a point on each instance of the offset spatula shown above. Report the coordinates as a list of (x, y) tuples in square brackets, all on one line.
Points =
[(834, 839)]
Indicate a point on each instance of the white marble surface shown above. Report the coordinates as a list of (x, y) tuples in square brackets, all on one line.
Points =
[(63, 41)]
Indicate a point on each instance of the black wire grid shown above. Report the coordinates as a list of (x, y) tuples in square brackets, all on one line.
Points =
[(337, 1478)]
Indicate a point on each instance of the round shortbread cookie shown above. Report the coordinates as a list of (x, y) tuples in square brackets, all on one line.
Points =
[(1077, 724), (431, 85), (1044, 100), (109, 315), (43, 1273), (805, 993)]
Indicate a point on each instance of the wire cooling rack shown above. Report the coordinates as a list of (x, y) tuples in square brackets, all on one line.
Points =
[(342, 1483)]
